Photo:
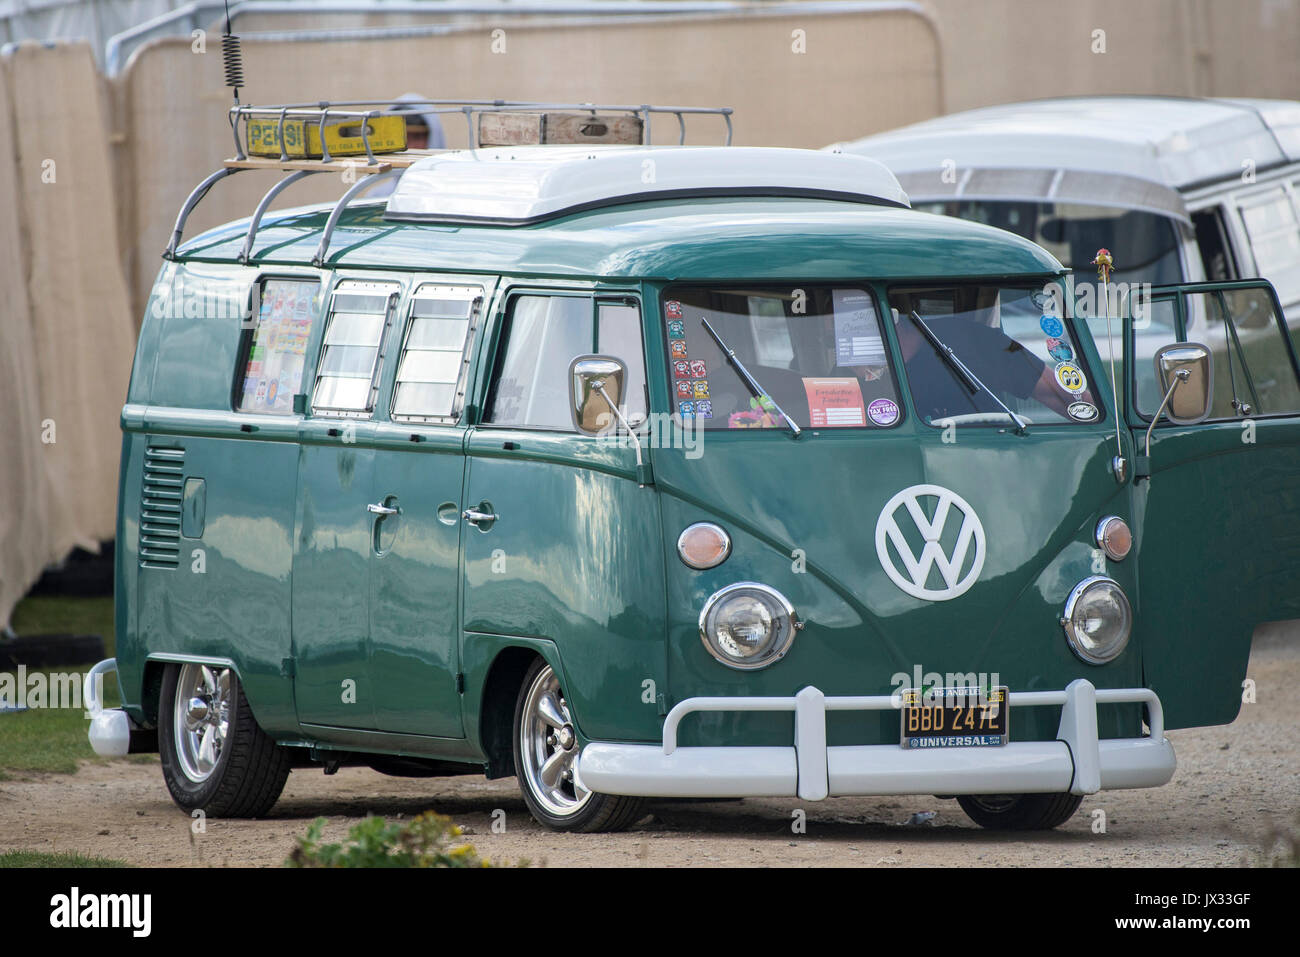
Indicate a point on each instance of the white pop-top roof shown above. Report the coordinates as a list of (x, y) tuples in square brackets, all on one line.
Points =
[(1171, 142), (531, 183)]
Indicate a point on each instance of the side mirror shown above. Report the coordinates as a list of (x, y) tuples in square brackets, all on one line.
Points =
[(597, 390), (1186, 373)]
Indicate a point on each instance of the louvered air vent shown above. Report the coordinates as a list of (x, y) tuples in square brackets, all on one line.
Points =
[(160, 507)]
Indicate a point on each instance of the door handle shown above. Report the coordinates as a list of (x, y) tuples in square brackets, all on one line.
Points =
[(381, 509), (475, 517)]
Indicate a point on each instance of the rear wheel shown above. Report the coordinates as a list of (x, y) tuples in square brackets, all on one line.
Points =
[(1020, 812), (214, 756), (546, 754)]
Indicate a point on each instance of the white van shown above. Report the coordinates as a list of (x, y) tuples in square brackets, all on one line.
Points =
[(1181, 190)]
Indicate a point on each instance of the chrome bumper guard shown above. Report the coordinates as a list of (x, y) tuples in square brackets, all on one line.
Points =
[(1077, 761), (112, 732)]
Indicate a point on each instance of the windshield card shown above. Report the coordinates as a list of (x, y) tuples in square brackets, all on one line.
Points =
[(857, 334), (835, 403)]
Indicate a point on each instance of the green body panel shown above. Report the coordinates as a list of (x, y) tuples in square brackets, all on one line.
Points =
[(304, 589), (576, 556)]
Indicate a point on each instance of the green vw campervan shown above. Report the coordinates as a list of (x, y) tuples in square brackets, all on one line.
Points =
[(642, 471)]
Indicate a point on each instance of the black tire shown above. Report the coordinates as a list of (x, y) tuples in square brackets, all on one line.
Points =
[(250, 770), (592, 812), (1020, 812)]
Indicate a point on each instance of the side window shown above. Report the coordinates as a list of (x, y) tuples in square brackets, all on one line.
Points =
[(543, 336), (431, 374), (277, 346), (1274, 232), (1212, 241), (347, 378), (618, 334), (1252, 363), (1159, 327)]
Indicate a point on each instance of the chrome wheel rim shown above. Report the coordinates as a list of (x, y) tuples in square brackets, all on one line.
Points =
[(548, 748), (201, 719)]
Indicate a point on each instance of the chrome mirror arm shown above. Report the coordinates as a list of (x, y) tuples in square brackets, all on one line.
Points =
[(599, 386), (1180, 376)]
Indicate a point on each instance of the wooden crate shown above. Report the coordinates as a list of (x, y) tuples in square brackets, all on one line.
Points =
[(531, 129)]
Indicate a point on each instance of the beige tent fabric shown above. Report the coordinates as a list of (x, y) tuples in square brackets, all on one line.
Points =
[(81, 333), (25, 543)]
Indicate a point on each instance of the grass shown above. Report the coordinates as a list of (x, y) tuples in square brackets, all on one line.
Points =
[(61, 615), (39, 859), (54, 739)]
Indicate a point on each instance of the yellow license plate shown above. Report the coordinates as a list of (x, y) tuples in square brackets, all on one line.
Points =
[(302, 137)]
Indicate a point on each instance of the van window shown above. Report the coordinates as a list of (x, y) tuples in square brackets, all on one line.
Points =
[(543, 336), (1009, 338), (1252, 363), (1274, 232), (817, 352), (348, 375), (431, 373), (618, 334), (1145, 244), (1155, 329), (1212, 241), (277, 346)]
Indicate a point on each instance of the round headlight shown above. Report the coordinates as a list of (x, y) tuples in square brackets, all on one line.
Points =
[(747, 625), (1114, 537), (704, 545), (1098, 620)]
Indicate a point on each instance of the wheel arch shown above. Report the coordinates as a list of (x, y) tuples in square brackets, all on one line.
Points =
[(494, 672)]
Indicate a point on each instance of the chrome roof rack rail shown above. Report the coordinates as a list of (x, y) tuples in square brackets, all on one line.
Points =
[(358, 187), (258, 213), (194, 199), (383, 164)]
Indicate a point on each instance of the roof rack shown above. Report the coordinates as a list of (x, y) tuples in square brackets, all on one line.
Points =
[(595, 125)]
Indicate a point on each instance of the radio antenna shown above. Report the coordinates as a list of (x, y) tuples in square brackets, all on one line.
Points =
[(233, 58)]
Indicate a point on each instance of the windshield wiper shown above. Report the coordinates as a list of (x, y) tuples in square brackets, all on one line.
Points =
[(749, 380), (968, 378)]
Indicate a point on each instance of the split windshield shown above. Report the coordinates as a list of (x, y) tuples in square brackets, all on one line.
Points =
[(1010, 337), (815, 351), (818, 353)]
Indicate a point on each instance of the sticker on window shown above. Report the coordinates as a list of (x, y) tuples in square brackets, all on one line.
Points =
[(857, 334), (835, 403), (883, 412)]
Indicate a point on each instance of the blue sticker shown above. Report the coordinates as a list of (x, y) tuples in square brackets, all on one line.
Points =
[(1052, 326), (676, 329), (686, 408)]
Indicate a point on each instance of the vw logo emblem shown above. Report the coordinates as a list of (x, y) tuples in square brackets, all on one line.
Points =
[(951, 511)]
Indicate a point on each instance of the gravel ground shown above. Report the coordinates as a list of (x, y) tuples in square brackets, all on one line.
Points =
[(1235, 785)]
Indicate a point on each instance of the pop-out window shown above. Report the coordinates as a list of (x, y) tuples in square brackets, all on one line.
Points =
[(431, 374), (348, 375), (277, 349), (816, 352)]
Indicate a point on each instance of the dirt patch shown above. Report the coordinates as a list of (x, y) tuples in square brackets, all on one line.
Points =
[(1234, 784)]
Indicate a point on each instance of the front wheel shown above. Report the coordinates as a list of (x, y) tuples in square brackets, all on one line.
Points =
[(1020, 812), (214, 756), (546, 754)]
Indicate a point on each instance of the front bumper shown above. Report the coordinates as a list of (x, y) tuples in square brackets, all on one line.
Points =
[(1077, 761)]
